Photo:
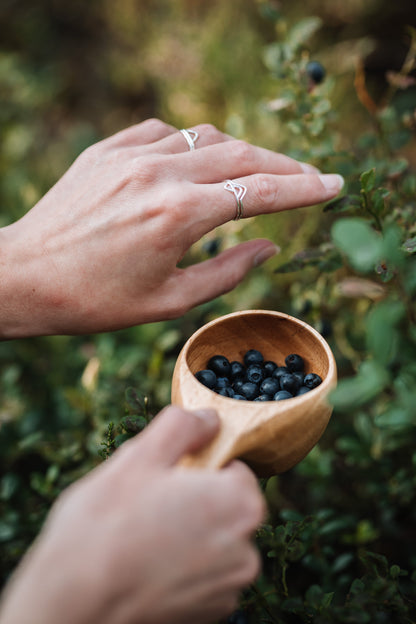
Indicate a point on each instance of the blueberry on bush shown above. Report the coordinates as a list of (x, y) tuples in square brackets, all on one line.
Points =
[(315, 71)]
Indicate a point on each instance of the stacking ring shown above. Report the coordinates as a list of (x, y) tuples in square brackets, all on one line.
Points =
[(191, 136), (239, 191)]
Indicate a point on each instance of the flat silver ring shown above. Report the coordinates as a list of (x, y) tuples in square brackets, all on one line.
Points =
[(239, 190), (191, 136)]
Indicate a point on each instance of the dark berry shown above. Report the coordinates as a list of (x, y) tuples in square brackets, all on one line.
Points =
[(282, 395), (252, 356), (237, 385), (289, 383), (294, 362), (239, 397), (226, 392), (269, 368), (220, 365), (250, 390), (211, 247), (222, 382), (312, 380), (236, 370), (270, 386), (207, 377), (279, 371), (254, 374), (303, 390), (315, 71), (263, 397), (299, 377)]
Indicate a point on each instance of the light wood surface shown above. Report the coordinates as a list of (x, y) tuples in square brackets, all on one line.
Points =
[(270, 436)]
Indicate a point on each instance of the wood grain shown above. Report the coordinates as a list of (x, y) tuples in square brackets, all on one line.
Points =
[(270, 436)]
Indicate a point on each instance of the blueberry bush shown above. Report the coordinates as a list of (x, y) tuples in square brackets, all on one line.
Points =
[(338, 543)]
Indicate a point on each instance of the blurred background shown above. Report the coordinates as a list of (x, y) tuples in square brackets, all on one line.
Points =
[(72, 73)]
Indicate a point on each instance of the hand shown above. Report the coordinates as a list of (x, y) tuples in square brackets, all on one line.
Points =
[(100, 251), (143, 541)]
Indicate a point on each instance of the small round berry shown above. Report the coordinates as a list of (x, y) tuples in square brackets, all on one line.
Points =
[(250, 390), (226, 392), (315, 71), (303, 390), (220, 365), (239, 397), (236, 370), (279, 371), (299, 377), (282, 395), (263, 397), (207, 377), (269, 368), (254, 374), (222, 382), (252, 356), (270, 386), (294, 362), (237, 385), (289, 383), (312, 380)]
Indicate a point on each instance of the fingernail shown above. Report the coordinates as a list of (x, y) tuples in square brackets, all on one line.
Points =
[(333, 182), (307, 168), (264, 254)]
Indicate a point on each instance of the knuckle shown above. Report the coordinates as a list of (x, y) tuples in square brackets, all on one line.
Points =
[(145, 171), (264, 189), (155, 125), (241, 151), (209, 132)]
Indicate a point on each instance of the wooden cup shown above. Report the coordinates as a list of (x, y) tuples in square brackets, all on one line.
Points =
[(270, 436)]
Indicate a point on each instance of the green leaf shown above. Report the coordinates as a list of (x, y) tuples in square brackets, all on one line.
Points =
[(358, 241), (342, 204), (370, 380), (368, 180), (302, 31), (382, 336)]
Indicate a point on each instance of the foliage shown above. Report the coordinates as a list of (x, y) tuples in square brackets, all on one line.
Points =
[(338, 543)]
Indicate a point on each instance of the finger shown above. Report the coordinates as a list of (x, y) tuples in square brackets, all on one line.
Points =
[(209, 279), (144, 133), (175, 432), (233, 159), (207, 134)]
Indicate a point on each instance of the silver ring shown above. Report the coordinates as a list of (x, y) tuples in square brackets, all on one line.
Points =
[(239, 191), (191, 137)]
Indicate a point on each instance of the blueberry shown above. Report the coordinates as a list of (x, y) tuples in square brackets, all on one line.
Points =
[(315, 71), (263, 397), (207, 377), (294, 362), (269, 368), (226, 392), (299, 377), (211, 247), (250, 390), (254, 374), (303, 390), (220, 365), (222, 382), (282, 395), (239, 397), (236, 370), (270, 386), (290, 383), (237, 385), (252, 356), (279, 371), (312, 380)]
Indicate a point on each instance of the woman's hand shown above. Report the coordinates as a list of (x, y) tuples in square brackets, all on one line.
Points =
[(143, 541), (100, 250)]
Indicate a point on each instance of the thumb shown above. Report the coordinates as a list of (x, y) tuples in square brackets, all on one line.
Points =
[(175, 432), (207, 280)]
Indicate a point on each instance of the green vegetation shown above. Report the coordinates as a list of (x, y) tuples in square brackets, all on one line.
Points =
[(338, 545)]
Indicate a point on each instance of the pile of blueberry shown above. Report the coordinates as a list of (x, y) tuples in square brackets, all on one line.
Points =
[(257, 380)]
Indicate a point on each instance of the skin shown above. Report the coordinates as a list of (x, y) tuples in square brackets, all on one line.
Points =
[(100, 250), (141, 540)]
